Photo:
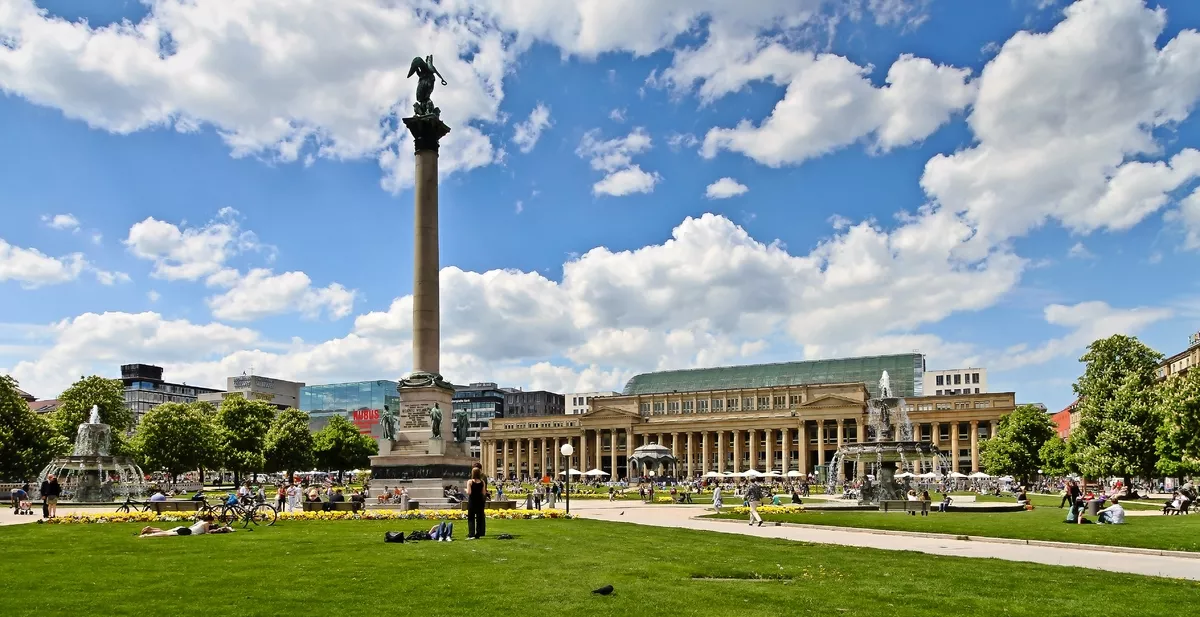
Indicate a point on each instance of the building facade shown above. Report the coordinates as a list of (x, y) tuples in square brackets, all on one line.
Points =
[(361, 402), (282, 394), (581, 402), (145, 389), (538, 403), (956, 381), (483, 402), (1066, 420), (906, 372), (782, 427), (1182, 361)]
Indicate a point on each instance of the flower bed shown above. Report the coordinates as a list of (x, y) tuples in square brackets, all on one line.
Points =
[(369, 515), (787, 509)]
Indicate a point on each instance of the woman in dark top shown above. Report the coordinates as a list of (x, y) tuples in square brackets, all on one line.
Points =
[(476, 500)]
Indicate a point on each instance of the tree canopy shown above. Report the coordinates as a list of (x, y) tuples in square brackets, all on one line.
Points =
[(1056, 458), (1016, 447), (1118, 420), (340, 447), (289, 444), (176, 437), (1178, 405), (27, 441), (76, 405), (242, 429)]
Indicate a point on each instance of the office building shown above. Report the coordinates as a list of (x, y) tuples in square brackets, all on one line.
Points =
[(581, 402), (1182, 361), (145, 389), (282, 394), (538, 403), (956, 381), (483, 402), (763, 417), (361, 402)]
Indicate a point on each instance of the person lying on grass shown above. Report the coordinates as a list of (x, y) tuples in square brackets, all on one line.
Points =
[(202, 526)]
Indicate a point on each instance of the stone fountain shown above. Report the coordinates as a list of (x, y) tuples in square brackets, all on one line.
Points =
[(91, 474), (890, 448)]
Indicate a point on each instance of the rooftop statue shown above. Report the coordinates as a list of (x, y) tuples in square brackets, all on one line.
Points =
[(425, 71)]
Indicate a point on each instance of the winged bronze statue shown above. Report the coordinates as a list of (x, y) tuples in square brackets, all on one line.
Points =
[(425, 72)]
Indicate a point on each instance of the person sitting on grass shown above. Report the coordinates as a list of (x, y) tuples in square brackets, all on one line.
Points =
[(202, 526), (442, 532), (1022, 497), (1112, 515)]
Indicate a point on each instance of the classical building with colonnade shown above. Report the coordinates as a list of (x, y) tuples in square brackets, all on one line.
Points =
[(759, 417)]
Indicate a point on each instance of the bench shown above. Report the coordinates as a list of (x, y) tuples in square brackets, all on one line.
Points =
[(904, 505), (178, 505), (494, 505), (340, 506)]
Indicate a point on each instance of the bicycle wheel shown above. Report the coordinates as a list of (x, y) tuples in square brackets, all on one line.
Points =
[(265, 514), (228, 514), (123, 508)]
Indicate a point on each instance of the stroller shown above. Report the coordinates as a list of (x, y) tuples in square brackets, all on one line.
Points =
[(21, 503)]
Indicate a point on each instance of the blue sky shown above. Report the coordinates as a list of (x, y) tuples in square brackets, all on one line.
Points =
[(994, 184)]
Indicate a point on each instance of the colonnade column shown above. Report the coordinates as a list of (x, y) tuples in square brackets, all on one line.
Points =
[(934, 434), (753, 449), (557, 457), (583, 451), (974, 445), (691, 454), (706, 452), (721, 450), (520, 450), (840, 433), (770, 433), (954, 446), (820, 442), (504, 445), (613, 455), (786, 438), (675, 446), (802, 438), (860, 430), (599, 450), (737, 451), (992, 429)]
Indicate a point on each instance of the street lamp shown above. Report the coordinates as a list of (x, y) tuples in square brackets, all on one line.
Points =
[(568, 450)]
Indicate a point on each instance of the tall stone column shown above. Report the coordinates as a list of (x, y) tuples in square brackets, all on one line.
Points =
[(426, 132), (786, 440), (860, 430), (840, 433), (954, 446), (821, 442), (675, 445), (770, 439), (992, 425), (753, 447), (599, 450), (582, 452), (974, 445), (557, 456), (545, 458), (706, 452), (935, 435), (504, 475)]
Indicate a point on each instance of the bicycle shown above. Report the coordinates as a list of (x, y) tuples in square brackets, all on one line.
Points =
[(134, 506), (257, 513)]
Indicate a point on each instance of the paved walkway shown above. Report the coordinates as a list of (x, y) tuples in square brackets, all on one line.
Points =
[(1112, 561)]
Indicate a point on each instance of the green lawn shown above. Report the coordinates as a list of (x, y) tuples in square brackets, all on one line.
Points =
[(1177, 533), (550, 568)]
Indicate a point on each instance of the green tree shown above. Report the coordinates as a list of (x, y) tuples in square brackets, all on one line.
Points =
[(340, 447), (1118, 420), (289, 443), (27, 441), (175, 437), (1178, 405), (1056, 458), (76, 405), (242, 427), (1015, 448)]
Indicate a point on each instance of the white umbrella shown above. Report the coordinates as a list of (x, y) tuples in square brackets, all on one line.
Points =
[(727, 474), (794, 474), (1007, 478), (979, 475), (903, 475), (774, 474), (596, 472), (955, 474), (927, 476), (737, 474), (574, 472), (753, 473), (712, 474)]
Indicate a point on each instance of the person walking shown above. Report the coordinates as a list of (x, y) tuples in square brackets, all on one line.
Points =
[(754, 498), (476, 501), (717, 503), (50, 490)]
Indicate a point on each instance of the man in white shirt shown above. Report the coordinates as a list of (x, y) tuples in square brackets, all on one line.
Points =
[(1114, 514), (158, 496)]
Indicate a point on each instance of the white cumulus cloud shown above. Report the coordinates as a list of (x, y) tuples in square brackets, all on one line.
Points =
[(526, 134), (725, 188)]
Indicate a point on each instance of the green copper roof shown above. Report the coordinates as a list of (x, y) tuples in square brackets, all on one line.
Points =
[(905, 371)]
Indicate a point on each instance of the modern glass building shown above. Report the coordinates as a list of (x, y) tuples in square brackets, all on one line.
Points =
[(905, 371), (361, 402), (483, 402), (145, 389)]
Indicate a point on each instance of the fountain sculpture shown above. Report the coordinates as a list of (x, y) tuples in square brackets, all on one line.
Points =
[(91, 474), (889, 446)]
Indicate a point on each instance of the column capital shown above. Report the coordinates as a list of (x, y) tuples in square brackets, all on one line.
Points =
[(427, 132)]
